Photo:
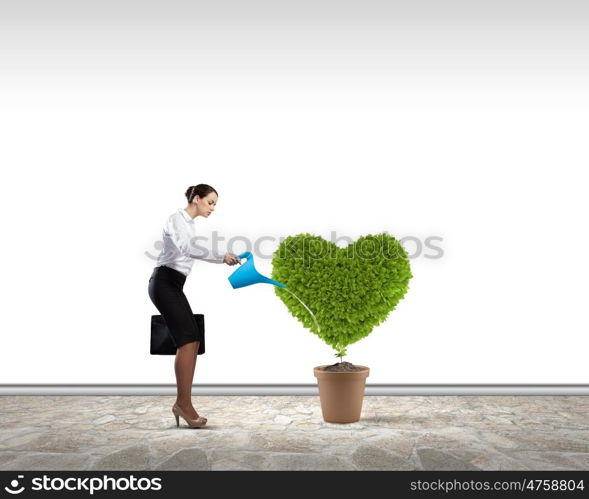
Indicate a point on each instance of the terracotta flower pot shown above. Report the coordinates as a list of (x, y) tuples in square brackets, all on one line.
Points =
[(341, 393)]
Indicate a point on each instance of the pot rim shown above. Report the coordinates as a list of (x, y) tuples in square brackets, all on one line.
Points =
[(319, 369)]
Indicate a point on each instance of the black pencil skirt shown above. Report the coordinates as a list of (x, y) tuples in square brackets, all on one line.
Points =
[(166, 292)]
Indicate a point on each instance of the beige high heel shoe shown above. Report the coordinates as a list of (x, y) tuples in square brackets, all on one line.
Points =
[(193, 423)]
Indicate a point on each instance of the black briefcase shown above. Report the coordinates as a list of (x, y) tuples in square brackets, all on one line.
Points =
[(162, 342)]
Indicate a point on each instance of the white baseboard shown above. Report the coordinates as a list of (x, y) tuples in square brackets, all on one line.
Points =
[(309, 389)]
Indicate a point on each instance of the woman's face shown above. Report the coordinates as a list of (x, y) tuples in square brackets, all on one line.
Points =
[(207, 204)]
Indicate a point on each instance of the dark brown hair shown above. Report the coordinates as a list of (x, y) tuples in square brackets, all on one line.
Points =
[(200, 190)]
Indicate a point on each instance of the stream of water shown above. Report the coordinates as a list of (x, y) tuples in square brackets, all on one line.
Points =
[(308, 309)]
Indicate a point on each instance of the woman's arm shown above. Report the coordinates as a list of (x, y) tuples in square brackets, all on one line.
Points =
[(190, 245)]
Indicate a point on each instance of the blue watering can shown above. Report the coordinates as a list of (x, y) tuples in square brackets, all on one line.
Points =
[(247, 274)]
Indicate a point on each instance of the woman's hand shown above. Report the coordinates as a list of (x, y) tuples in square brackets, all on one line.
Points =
[(231, 259)]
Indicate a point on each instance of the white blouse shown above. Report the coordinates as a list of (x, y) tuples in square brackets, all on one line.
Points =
[(182, 245)]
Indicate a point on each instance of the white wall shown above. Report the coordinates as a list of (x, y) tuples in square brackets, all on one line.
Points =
[(466, 121)]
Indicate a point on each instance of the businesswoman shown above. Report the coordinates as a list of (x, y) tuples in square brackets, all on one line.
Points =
[(173, 266)]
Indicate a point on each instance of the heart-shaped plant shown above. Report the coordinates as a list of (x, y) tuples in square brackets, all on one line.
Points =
[(350, 290)]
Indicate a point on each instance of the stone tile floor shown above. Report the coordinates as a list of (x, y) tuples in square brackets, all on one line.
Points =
[(288, 433)]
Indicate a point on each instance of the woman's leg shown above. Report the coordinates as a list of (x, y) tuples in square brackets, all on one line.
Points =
[(184, 366)]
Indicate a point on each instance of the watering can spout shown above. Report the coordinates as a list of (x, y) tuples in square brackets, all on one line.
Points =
[(271, 281), (247, 274)]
